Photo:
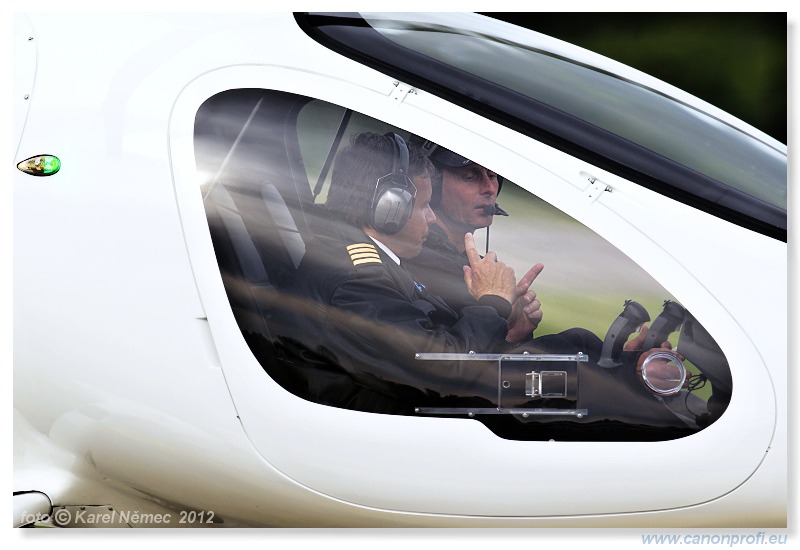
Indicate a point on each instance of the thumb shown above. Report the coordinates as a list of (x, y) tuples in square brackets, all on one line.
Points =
[(637, 341)]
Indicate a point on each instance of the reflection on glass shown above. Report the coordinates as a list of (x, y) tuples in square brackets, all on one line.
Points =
[(641, 115), (355, 339)]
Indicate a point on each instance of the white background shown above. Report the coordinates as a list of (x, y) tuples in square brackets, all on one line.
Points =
[(356, 539)]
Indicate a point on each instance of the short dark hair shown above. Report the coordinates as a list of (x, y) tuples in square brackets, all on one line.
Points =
[(357, 169)]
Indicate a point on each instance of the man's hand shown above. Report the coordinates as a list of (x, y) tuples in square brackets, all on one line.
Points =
[(636, 342), (529, 306), (487, 275), (526, 312), (662, 373)]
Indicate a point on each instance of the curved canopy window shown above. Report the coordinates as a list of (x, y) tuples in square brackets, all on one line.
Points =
[(334, 316), (634, 131)]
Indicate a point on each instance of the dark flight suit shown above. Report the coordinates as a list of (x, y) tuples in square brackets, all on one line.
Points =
[(354, 321), (439, 266)]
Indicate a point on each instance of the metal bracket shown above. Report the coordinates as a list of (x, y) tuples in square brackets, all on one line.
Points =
[(400, 91), (472, 356), (595, 190), (537, 384), (523, 412)]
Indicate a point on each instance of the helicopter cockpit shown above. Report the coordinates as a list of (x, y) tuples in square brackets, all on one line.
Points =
[(266, 156)]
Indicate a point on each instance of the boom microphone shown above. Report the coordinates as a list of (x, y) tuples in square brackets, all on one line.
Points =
[(493, 210)]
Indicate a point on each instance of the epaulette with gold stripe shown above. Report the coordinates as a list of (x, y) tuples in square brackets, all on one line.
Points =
[(363, 253)]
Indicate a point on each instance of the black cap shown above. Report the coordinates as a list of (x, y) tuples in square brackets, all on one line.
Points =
[(438, 154), (448, 158)]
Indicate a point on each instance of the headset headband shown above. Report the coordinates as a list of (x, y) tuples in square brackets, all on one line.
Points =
[(400, 156)]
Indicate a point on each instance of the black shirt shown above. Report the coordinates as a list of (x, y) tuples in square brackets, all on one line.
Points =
[(355, 321)]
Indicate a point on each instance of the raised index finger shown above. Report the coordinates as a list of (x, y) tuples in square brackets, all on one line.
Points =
[(471, 249), (527, 280)]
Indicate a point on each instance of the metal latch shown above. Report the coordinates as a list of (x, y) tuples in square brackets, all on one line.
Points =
[(595, 190), (400, 91), (547, 383)]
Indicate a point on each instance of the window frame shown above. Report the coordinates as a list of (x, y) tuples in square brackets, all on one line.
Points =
[(283, 427)]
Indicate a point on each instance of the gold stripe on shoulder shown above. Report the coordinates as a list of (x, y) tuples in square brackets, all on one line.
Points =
[(360, 255), (363, 253), (366, 261), (360, 245), (357, 245)]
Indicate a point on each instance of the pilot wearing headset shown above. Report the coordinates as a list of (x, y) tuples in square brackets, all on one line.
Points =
[(464, 199), (355, 318), (358, 318)]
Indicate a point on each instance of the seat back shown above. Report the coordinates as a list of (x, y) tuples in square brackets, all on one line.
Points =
[(247, 282)]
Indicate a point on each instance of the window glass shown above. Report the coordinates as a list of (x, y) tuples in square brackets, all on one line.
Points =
[(632, 130), (339, 245), (624, 108)]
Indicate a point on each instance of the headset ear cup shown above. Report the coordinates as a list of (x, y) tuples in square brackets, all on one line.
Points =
[(391, 208), (393, 200)]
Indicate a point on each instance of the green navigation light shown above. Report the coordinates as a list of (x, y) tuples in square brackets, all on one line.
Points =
[(40, 165)]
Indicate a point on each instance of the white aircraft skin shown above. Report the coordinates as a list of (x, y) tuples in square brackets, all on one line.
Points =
[(134, 391)]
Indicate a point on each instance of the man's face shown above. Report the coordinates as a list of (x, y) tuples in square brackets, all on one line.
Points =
[(466, 192), (407, 243)]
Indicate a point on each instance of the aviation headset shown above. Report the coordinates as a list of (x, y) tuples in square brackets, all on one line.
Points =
[(393, 199)]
